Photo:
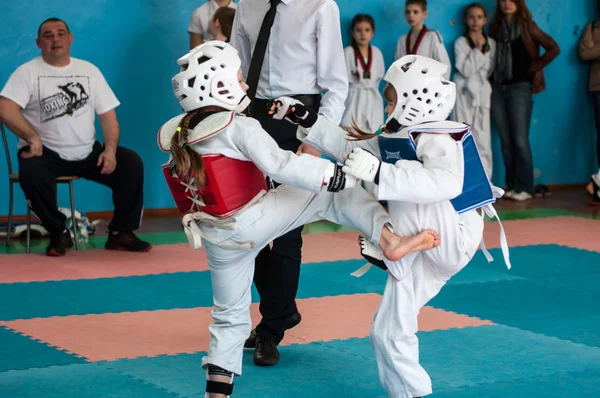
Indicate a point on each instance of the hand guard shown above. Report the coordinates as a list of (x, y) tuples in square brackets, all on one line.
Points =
[(301, 115), (363, 165), (336, 180)]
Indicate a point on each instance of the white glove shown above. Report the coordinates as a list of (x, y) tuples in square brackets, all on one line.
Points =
[(363, 165), (301, 114)]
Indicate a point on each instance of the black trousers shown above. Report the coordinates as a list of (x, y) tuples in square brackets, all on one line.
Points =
[(596, 98), (277, 269), (37, 178)]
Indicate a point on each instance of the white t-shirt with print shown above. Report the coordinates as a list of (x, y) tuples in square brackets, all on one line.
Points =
[(202, 15), (61, 103)]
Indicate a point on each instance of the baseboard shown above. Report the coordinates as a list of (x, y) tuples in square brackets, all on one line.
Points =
[(173, 212), (107, 215), (566, 187)]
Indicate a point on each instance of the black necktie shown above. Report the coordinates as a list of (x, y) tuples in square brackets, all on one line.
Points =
[(259, 51)]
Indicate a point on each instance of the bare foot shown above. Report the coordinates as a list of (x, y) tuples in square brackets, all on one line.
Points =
[(397, 247)]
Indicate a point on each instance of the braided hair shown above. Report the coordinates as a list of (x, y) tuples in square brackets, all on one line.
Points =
[(186, 162)]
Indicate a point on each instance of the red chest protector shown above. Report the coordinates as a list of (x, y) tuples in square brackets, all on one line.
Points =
[(229, 183)]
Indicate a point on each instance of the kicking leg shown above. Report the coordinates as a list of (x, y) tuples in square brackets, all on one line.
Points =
[(357, 209)]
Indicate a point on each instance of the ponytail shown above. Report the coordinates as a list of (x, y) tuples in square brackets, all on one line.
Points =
[(357, 134), (187, 162)]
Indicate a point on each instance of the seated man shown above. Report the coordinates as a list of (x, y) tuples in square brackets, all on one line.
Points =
[(50, 103)]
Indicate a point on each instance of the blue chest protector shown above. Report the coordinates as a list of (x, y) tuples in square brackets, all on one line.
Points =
[(477, 189)]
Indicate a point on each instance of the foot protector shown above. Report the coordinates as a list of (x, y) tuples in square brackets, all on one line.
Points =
[(372, 254)]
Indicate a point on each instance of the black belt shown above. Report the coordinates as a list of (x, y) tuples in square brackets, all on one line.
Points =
[(261, 106)]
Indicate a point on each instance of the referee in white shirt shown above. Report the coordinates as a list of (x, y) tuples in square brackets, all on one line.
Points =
[(304, 59)]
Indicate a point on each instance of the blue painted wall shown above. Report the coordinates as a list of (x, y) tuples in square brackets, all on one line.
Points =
[(136, 43)]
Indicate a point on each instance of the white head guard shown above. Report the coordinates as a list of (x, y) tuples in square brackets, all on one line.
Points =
[(209, 76), (424, 95)]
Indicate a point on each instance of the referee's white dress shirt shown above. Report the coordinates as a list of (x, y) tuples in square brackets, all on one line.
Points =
[(304, 55)]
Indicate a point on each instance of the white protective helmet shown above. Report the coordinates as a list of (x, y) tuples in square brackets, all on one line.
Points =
[(424, 95), (209, 76)]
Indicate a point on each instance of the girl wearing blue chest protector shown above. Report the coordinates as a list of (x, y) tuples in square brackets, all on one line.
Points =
[(429, 171), (216, 174)]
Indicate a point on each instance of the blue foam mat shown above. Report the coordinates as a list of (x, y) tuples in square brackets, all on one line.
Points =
[(76, 381), (459, 361), (577, 384), (192, 289), (21, 352)]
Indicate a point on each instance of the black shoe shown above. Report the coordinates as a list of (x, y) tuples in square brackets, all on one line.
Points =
[(251, 341), (292, 321), (289, 323), (541, 190), (59, 244), (266, 353), (126, 241)]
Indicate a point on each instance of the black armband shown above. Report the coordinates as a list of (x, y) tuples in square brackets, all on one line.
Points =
[(338, 181)]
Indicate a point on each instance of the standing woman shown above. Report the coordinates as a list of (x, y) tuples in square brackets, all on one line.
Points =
[(589, 51), (364, 104), (518, 74)]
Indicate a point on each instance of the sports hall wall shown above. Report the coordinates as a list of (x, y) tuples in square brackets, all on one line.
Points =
[(136, 43)]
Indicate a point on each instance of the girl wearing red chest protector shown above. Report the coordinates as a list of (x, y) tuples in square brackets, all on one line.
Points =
[(216, 174)]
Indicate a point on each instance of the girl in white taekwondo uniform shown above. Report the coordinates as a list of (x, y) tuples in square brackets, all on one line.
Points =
[(216, 176), (432, 177), (474, 53), (366, 67)]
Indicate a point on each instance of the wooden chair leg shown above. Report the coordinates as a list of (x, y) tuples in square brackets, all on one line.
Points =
[(73, 218), (28, 247), (10, 212)]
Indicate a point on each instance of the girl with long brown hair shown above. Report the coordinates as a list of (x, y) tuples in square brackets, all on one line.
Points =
[(518, 74), (216, 172)]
